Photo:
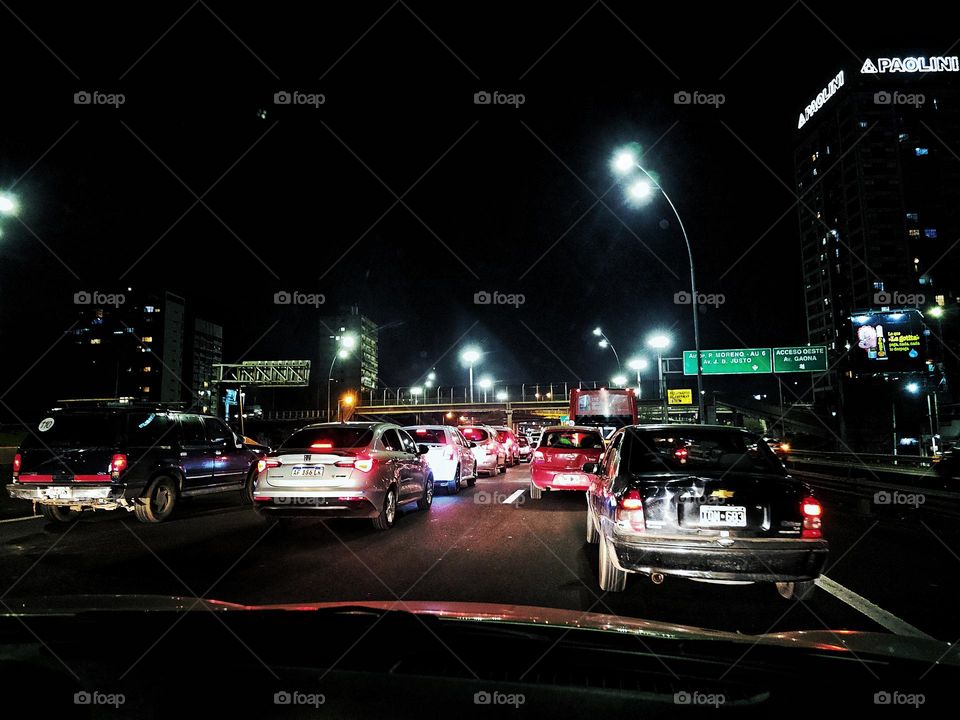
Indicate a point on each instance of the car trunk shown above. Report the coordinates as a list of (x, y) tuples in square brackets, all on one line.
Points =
[(568, 458), (54, 465), (319, 470)]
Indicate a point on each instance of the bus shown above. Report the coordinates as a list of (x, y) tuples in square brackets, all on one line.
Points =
[(603, 407)]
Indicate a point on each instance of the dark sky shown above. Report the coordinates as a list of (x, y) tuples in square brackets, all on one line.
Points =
[(503, 198)]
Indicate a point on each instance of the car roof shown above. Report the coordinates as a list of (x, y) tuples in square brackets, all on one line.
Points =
[(574, 428), (357, 424), (429, 427)]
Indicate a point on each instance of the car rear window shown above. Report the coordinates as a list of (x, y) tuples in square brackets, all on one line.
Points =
[(75, 429), (522, 441), (475, 434), (697, 451), (503, 435), (573, 439), (332, 438), (428, 436), (147, 429)]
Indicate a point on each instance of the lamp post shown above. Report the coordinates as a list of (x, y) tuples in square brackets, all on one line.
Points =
[(346, 343), (639, 364), (485, 384), (605, 343), (640, 189), (660, 342), (470, 356)]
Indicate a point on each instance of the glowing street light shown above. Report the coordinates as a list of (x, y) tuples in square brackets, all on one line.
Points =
[(8, 204), (640, 189), (660, 342), (638, 364), (502, 395), (470, 356), (485, 384), (619, 380), (605, 343)]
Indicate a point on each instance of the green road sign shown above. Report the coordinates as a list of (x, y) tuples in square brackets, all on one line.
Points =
[(741, 361), (804, 358)]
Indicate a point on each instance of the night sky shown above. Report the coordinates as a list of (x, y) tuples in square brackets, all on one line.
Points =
[(503, 198)]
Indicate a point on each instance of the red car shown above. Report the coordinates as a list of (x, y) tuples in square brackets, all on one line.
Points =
[(506, 438), (559, 459)]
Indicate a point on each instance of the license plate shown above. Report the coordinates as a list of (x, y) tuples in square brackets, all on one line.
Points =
[(566, 479), (56, 493), (723, 516), (307, 472)]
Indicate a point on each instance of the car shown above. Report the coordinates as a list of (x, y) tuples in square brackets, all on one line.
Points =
[(490, 454), (507, 438), (449, 455), (524, 449), (351, 470), (559, 458), (708, 503), (141, 457)]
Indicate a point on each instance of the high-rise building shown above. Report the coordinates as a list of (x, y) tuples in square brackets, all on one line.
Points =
[(206, 351), (359, 369), (877, 171)]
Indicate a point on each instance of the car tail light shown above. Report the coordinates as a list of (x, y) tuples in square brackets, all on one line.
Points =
[(681, 454), (262, 498), (812, 513), (421, 431), (321, 446), (362, 463), (16, 463), (118, 463), (630, 511), (537, 456), (265, 463)]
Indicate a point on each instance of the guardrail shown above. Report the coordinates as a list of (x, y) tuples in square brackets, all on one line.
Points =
[(900, 462)]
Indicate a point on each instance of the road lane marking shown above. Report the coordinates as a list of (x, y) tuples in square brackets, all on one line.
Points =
[(876, 613), (514, 496), (20, 519)]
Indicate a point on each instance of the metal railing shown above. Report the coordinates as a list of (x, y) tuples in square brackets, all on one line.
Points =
[(496, 394)]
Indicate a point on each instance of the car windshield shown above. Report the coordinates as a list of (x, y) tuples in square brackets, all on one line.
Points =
[(692, 451), (584, 440), (428, 436), (329, 438)]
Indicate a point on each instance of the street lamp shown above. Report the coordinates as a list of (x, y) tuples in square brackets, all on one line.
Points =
[(624, 163), (638, 364), (470, 356), (416, 392), (605, 343), (660, 342), (619, 380), (8, 204), (502, 395), (346, 342), (347, 400), (485, 384)]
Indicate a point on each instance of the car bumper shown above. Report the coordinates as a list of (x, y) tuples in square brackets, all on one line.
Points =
[(487, 462), (775, 559), (316, 504), (444, 471), (559, 479), (93, 496)]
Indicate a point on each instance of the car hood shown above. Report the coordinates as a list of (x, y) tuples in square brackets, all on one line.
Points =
[(851, 642)]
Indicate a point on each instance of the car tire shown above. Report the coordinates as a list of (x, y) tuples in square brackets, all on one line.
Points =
[(59, 514), (426, 501), (502, 469), (612, 578), (388, 513), (801, 590), (535, 492), (457, 482), (158, 502), (246, 494), (593, 536)]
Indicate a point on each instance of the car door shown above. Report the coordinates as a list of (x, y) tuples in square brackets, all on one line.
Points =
[(231, 463), (196, 455), (412, 467), (602, 486), (392, 448)]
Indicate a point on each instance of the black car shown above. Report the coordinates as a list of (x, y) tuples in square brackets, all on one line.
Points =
[(142, 458), (707, 503)]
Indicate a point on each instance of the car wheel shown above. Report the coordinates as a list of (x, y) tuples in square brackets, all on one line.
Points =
[(796, 590), (157, 503), (612, 578), (388, 513), (457, 482), (58, 513), (246, 494), (426, 501), (593, 536), (535, 492)]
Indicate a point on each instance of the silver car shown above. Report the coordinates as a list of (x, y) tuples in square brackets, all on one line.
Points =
[(355, 469), (450, 458), (490, 454)]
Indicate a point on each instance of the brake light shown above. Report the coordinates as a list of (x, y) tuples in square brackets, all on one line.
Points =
[(632, 500), (263, 464), (681, 454), (537, 456), (812, 518), (118, 463), (421, 431), (364, 464), (785, 447), (630, 512), (16, 463), (321, 446)]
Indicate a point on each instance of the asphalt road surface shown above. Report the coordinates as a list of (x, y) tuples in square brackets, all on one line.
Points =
[(490, 543)]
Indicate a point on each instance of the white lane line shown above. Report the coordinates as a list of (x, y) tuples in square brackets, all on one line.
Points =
[(876, 613), (21, 519), (514, 496)]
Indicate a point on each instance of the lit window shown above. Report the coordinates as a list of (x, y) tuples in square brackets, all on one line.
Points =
[(146, 388), (94, 341), (148, 309), (941, 300), (862, 124), (921, 151), (814, 171), (930, 233), (148, 338), (147, 369), (903, 137), (914, 232), (913, 216)]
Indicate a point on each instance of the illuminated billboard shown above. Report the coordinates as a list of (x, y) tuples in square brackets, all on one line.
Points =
[(888, 342)]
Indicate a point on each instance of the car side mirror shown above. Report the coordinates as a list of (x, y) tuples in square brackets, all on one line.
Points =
[(239, 441), (471, 443), (422, 449), (591, 468)]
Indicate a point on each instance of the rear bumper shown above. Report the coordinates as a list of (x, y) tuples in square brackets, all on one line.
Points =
[(568, 480), (98, 496), (270, 502), (487, 462), (774, 560), (444, 471)]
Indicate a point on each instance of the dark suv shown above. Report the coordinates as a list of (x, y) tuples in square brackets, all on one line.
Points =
[(141, 458)]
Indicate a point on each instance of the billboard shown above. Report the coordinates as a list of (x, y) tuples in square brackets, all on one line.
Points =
[(888, 342)]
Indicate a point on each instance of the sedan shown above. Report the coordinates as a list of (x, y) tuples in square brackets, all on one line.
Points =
[(524, 449), (712, 504), (356, 469), (559, 459), (449, 455), (491, 455)]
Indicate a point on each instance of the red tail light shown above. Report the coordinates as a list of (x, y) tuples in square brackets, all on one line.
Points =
[(321, 446), (812, 514), (362, 463), (537, 456), (681, 454), (630, 512), (16, 463), (421, 431), (118, 463), (265, 463)]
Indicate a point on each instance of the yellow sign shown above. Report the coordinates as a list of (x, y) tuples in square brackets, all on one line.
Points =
[(680, 397)]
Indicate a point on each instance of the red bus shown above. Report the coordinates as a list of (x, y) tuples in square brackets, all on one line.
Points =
[(603, 407)]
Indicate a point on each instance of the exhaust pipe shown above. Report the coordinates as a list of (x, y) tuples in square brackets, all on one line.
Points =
[(657, 578)]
